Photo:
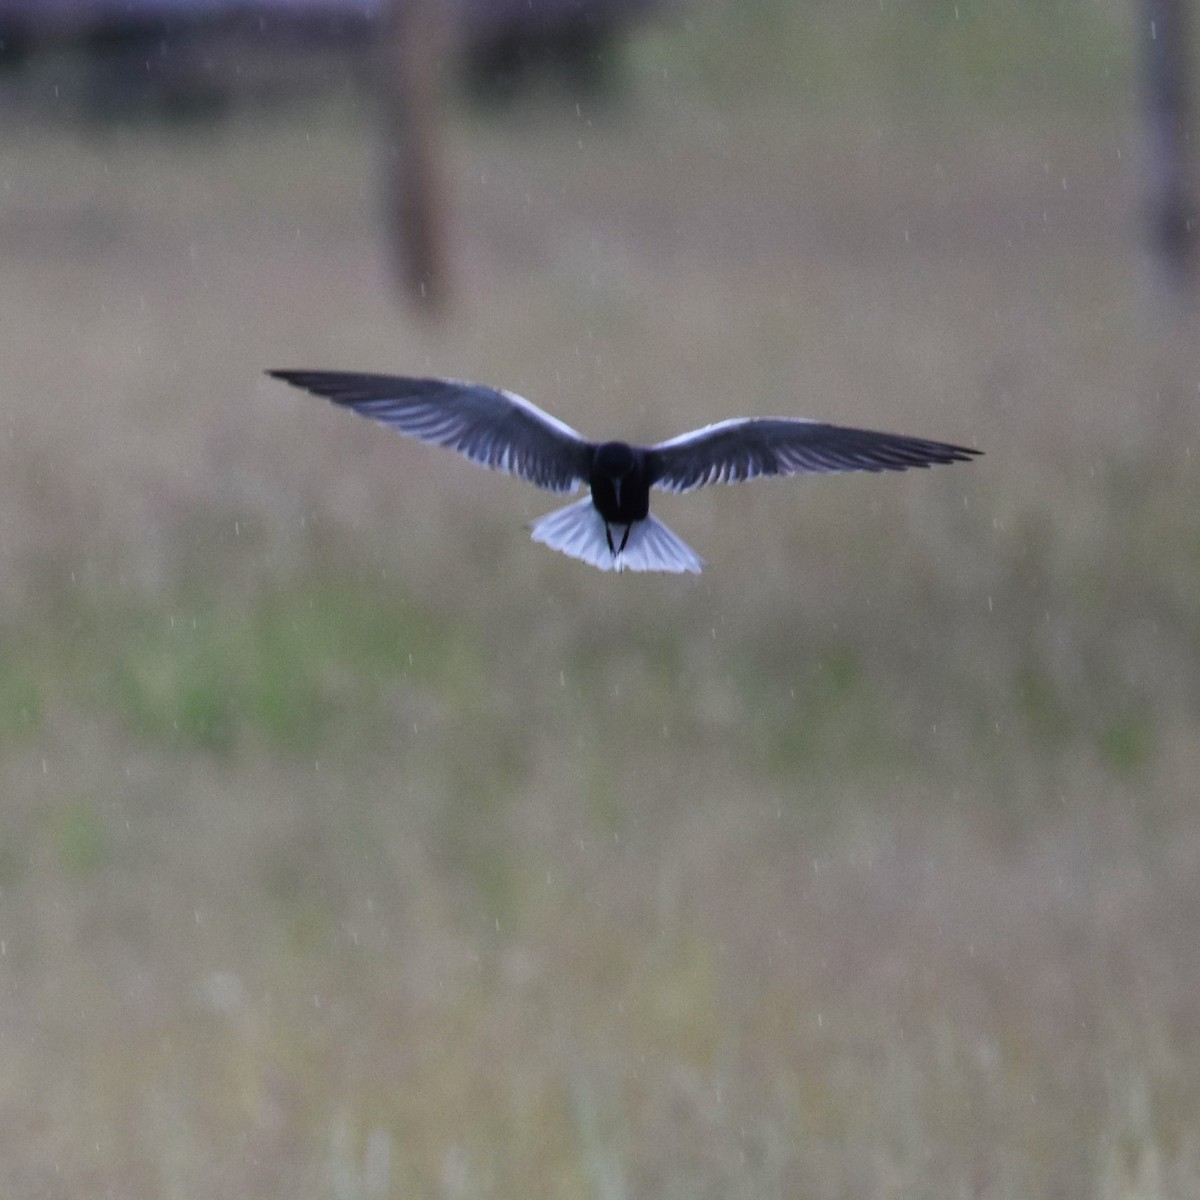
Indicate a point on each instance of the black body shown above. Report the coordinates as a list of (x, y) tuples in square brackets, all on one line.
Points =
[(620, 483)]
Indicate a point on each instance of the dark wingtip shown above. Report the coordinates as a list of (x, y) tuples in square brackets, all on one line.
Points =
[(286, 375), (331, 385), (953, 454)]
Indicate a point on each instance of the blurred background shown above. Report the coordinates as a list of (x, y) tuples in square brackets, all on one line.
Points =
[(353, 846)]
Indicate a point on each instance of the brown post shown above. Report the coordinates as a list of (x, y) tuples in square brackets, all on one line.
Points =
[(417, 189), (1169, 199)]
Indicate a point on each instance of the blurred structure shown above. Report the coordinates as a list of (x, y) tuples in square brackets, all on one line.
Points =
[(1169, 199), (196, 59), (508, 43), (183, 57), (116, 59)]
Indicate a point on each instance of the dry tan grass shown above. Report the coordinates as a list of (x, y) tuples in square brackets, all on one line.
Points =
[(355, 846)]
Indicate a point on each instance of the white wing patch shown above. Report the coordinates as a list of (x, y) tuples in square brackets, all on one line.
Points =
[(696, 435), (539, 414)]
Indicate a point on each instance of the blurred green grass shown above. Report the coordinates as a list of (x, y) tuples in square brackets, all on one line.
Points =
[(354, 845)]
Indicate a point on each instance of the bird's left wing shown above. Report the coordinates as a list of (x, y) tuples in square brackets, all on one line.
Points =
[(745, 448), (491, 427)]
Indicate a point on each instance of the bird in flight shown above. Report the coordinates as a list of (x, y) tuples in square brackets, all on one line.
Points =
[(612, 528)]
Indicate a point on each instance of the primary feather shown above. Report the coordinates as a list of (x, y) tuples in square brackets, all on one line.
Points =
[(494, 428), (747, 448)]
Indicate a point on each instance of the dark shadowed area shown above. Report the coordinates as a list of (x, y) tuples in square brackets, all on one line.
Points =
[(354, 846)]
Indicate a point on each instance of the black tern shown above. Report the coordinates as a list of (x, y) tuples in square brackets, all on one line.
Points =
[(612, 528)]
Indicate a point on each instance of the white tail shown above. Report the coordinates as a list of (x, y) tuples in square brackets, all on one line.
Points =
[(578, 530)]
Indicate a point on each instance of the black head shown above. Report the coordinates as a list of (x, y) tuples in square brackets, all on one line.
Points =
[(614, 459)]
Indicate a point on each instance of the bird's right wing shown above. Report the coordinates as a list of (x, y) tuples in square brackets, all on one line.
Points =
[(491, 427), (746, 448)]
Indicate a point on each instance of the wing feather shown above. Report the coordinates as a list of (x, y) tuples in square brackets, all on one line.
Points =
[(747, 448), (494, 428)]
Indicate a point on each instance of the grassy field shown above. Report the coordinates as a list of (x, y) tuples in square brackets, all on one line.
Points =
[(353, 846)]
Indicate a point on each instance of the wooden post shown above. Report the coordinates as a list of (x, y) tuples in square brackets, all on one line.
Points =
[(417, 190), (1170, 204)]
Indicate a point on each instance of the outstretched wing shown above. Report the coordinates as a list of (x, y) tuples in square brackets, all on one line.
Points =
[(745, 448), (491, 427)]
